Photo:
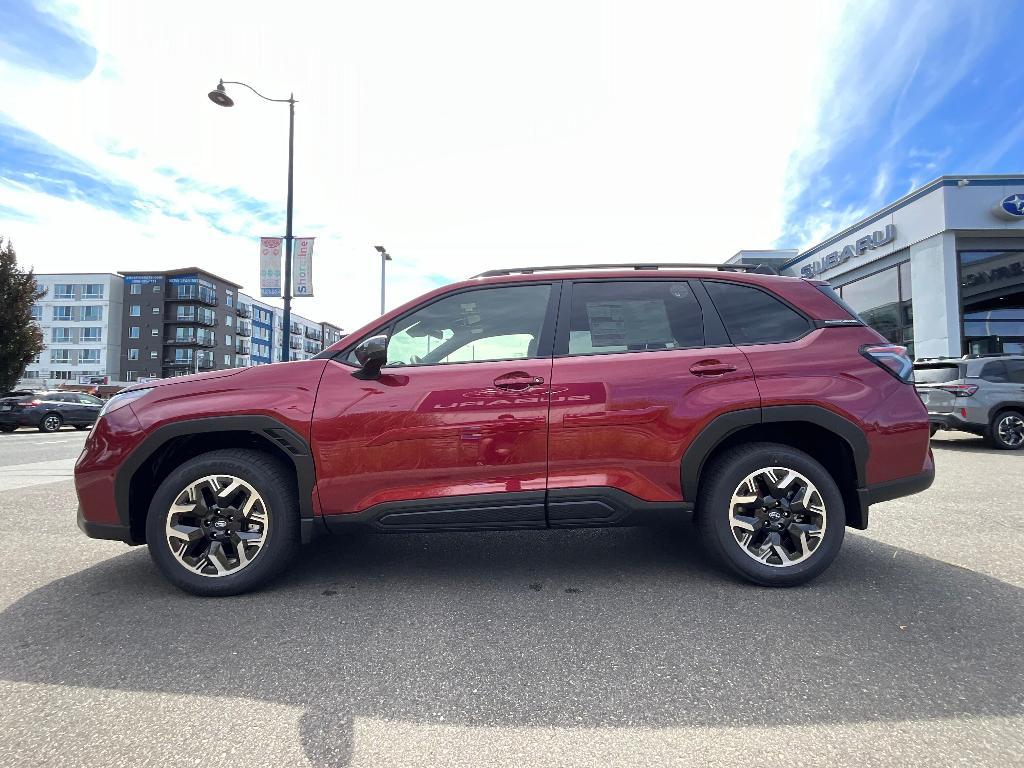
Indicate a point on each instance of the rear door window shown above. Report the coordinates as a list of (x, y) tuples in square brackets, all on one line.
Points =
[(994, 372), (753, 316), (1015, 369), (633, 316)]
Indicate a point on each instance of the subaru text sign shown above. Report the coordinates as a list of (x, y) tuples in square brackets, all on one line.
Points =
[(857, 248)]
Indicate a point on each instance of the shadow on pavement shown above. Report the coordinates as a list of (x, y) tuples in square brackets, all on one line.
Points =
[(970, 445), (550, 628)]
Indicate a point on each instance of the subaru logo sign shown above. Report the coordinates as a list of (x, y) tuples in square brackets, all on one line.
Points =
[(1011, 207)]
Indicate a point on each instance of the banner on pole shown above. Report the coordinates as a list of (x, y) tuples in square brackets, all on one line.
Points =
[(270, 266), (302, 267)]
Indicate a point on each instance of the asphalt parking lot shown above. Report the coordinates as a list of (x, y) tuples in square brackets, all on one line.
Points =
[(603, 647)]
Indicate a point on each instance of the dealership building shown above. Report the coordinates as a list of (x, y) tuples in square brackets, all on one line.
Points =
[(941, 270)]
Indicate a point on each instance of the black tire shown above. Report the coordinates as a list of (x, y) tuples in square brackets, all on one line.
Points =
[(51, 422), (1003, 438), (271, 479), (80, 427), (932, 430), (7, 429), (723, 476)]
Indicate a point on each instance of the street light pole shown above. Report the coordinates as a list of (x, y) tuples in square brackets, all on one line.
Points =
[(220, 97), (385, 257)]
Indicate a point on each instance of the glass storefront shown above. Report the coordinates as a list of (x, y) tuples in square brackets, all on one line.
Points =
[(992, 301), (884, 301)]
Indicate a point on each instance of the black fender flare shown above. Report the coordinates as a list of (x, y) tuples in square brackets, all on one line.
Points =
[(287, 440), (719, 428)]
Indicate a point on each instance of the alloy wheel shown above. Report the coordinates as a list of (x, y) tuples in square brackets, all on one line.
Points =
[(51, 423), (777, 516), (1011, 430), (217, 525)]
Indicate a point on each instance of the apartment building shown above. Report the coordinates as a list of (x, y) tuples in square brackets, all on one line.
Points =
[(80, 317), (178, 322)]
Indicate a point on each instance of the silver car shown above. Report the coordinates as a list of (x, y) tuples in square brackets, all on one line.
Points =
[(981, 395)]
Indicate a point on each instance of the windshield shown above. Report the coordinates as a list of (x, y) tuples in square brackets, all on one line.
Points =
[(937, 374)]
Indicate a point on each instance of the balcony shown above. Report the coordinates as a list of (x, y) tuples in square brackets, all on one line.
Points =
[(295, 344), (243, 310), (311, 348), (193, 293), (314, 333), (243, 347), (243, 329), (202, 316)]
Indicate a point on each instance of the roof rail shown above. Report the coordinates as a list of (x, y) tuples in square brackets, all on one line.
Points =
[(758, 268)]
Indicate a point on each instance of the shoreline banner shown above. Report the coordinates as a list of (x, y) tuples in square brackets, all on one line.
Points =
[(302, 267), (270, 266)]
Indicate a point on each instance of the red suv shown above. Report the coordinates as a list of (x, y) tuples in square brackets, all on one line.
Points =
[(547, 397)]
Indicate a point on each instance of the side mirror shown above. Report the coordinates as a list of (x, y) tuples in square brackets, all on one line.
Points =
[(371, 354)]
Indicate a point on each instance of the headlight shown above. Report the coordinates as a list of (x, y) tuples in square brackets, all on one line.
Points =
[(122, 399)]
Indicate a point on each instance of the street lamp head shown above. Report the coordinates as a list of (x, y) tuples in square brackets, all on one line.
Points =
[(384, 254), (220, 97), (379, 248)]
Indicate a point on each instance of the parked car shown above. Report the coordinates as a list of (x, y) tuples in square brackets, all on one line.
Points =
[(522, 399), (48, 411), (980, 395)]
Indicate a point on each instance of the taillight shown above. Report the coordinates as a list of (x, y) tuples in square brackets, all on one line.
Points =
[(892, 357), (34, 402), (960, 390)]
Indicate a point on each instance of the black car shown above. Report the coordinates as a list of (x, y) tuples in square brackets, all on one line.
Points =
[(49, 411)]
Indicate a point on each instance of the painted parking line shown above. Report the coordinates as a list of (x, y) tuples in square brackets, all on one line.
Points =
[(36, 473)]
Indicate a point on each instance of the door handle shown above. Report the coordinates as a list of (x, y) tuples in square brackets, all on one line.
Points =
[(517, 381), (711, 368)]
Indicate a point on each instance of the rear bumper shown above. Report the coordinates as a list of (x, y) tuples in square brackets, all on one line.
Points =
[(893, 489), (108, 531), (18, 419), (954, 421)]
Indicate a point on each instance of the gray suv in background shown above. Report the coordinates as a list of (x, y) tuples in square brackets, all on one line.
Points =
[(981, 395)]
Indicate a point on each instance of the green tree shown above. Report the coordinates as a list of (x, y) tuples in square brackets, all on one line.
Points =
[(20, 337)]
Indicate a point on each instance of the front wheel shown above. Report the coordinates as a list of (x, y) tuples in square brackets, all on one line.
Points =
[(771, 513), (51, 422), (1007, 431), (224, 523)]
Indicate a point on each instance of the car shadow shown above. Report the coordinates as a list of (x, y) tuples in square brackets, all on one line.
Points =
[(548, 628), (970, 445)]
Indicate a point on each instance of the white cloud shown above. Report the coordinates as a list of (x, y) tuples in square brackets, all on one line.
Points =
[(464, 136)]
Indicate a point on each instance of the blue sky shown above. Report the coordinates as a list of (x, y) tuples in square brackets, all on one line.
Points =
[(468, 136)]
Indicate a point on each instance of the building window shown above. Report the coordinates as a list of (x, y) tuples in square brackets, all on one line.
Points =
[(228, 299), (93, 313), (227, 321), (93, 291), (155, 332), (89, 356), (132, 375), (227, 339), (133, 332), (135, 289), (992, 296), (156, 310), (92, 335), (60, 336), (37, 312), (60, 355), (153, 354), (136, 310), (227, 360), (63, 291), (133, 354), (62, 313), (156, 288), (883, 304)]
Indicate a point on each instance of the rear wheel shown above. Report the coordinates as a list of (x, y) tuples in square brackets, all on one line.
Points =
[(224, 522), (1007, 431), (771, 513), (51, 422)]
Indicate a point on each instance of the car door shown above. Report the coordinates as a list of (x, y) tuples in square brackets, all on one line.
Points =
[(90, 408), (640, 368), (67, 405), (453, 432)]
